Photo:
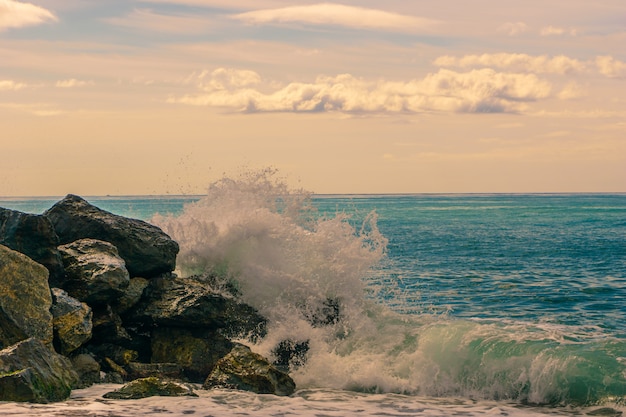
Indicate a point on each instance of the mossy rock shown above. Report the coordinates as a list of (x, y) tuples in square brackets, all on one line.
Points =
[(150, 387)]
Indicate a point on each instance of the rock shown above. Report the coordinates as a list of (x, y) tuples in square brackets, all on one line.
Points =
[(196, 351), (31, 372), (290, 354), (71, 321), (88, 370), (131, 295), (25, 299), (327, 314), (245, 370), (108, 327), (138, 370), (147, 250), (188, 302), (150, 387), (94, 270), (34, 236), (118, 354)]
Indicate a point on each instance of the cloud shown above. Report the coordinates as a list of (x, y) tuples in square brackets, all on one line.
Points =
[(513, 28), (71, 83), (15, 14), (146, 19), (557, 31), (611, 67), (9, 85), (477, 91), (516, 62), (338, 15), (37, 109), (571, 91)]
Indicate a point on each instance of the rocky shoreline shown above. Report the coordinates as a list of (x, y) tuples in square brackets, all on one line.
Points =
[(87, 296)]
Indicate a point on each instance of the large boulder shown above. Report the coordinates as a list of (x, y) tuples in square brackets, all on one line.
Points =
[(147, 250), (245, 370), (71, 320), (196, 351), (31, 372), (95, 272), (190, 302), (34, 236), (25, 299)]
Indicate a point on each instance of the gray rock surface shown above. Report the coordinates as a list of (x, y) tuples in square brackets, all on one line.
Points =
[(31, 372), (96, 274), (34, 236), (72, 322), (245, 370), (25, 299), (147, 250)]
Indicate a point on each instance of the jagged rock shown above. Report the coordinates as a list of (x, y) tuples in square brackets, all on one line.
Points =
[(188, 302), (290, 354), (327, 314), (95, 272), (25, 299), (137, 370), (196, 351), (150, 387), (108, 327), (118, 354), (245, 370), (87, 368), (131, 295), (71, 321), (31, 372), (147, 250), (34, 236)]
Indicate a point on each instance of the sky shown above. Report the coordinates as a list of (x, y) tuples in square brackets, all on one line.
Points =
[(141, 97)]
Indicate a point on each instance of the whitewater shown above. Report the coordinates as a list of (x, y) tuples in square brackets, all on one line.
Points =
[(407, 304)]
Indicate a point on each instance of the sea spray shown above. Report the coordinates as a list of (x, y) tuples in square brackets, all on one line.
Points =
[(315, 278)]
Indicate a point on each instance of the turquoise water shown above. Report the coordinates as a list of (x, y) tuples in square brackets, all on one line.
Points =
[(496, 297)]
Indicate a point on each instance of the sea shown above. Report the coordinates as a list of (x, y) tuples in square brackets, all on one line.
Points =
[(413, 304)]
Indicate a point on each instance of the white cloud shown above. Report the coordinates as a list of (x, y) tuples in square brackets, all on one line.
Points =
[(15, 14), (477, 91), (71, 83), (10, 85), (516, 62), (339, 15), (611, 67)]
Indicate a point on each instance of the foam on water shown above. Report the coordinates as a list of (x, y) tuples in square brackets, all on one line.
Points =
[(312, 276)]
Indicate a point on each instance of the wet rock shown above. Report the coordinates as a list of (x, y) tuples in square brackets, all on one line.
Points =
[(87, 368), (150, 387), (71, 322), (31, 372), (34, 236), (327, 314), (95, 272), (188, 302), (25, 299), (290, 354), (146, 249), (245, 370), (131, 296), (138, 370), (196, 351), (108, 327)]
